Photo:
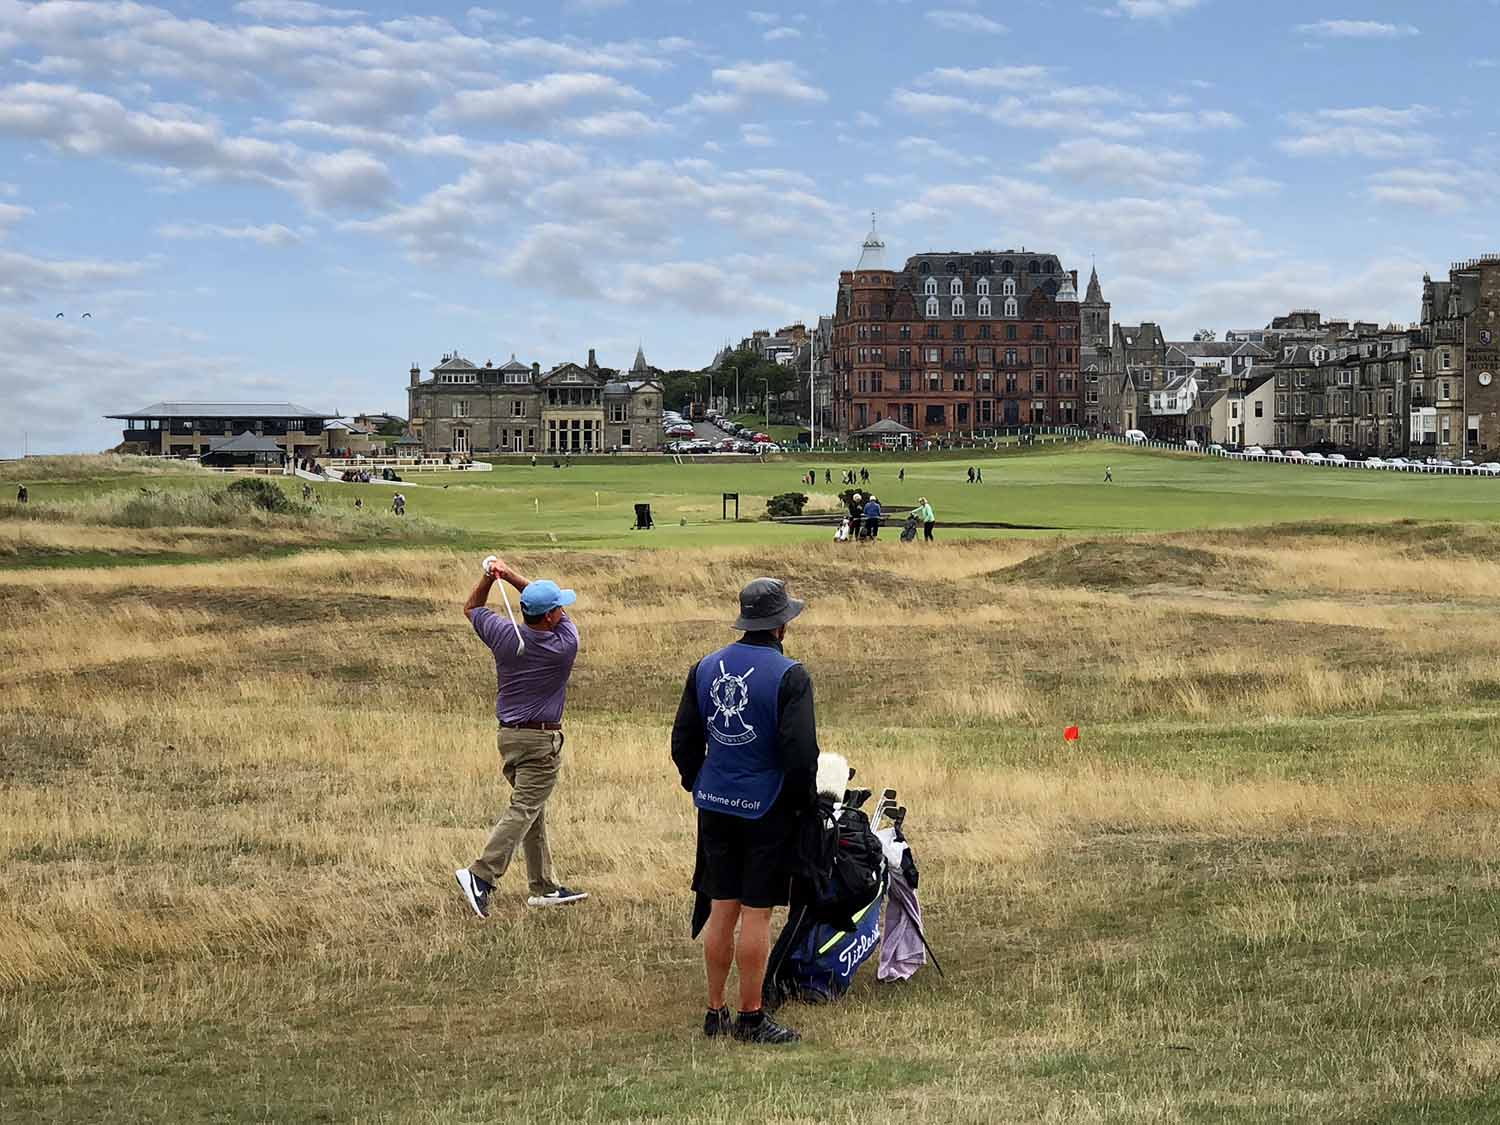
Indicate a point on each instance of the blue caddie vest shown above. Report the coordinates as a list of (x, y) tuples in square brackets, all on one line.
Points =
[(738, 691)]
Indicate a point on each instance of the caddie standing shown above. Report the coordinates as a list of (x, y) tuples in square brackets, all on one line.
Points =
[(532, 664), (745, 745)]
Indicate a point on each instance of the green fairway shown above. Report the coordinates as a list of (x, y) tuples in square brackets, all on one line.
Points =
[(1060, 488)]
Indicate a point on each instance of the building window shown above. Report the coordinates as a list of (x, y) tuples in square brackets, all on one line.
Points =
[(1445, 360), (617, 412), (1445, 387), (955, 287), (1416, 362), (934, 355), (934, 381), (963, 414), (937, 414), (904, 332), (983, 287), (1301, 404), (1033, 267), (1446, 424), (1012, 308), (1039, 384), (984, 306), (930, 289), (624, 439), (932, 331), (1010, 332), (460, 408), (960, 383), (932, 306), (1010, 357), (958, 306), (518, 408), (1260, 409)]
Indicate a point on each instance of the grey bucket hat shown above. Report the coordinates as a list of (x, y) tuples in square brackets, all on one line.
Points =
[(764, 604)]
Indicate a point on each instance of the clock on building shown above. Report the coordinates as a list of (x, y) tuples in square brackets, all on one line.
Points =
[(1484, 378)]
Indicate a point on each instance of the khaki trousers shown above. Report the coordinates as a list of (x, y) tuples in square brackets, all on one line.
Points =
[(531, 761)]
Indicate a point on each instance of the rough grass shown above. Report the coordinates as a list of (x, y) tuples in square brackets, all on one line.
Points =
[(1261, 888), (85, 466)]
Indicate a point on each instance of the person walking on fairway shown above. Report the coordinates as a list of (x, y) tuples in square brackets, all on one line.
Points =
[(1109, 473), (924, 513), (22, 496), (532, 664), (745, 745), (978, 475)]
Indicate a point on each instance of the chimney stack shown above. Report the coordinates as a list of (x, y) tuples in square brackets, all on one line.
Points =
[(536, 371), (416, 374), (593, 363)]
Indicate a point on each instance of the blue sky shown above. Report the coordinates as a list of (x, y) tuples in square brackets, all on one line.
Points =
[(279, 199)]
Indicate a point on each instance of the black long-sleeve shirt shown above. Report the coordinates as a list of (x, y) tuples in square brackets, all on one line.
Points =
[(796, 730)]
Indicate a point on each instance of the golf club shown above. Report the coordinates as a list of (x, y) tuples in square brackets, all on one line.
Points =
[(504, 593)]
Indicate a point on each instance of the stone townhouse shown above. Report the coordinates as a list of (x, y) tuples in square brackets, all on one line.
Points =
[(513, 408), (1455, 364), (1347, 392)]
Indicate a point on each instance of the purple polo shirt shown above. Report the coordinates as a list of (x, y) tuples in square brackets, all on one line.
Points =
[(534, 685)]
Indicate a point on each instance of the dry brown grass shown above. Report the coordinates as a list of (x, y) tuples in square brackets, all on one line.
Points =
[(1262, 888)]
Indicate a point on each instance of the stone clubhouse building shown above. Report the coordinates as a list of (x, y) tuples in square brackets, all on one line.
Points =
[(464, 408), (195, 429)]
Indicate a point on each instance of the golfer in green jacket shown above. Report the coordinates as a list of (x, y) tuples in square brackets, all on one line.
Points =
[(923, 512)]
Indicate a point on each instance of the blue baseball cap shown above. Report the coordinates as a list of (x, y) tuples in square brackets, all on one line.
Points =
[(543, 597)]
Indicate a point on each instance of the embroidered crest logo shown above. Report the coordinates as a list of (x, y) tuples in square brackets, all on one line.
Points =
[(730, 696)]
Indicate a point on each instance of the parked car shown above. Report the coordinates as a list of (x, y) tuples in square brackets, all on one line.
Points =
[(1216, 448), (1276, 455), (1492, 468), (1337, 459), (1298, 455), (1255, 451), (1314, 457), (1374, 463)]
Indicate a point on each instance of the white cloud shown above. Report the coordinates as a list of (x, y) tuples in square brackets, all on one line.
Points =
[(1442, 187), (1013, 113), (348, 180), (926, 149), (25, 277), (951, 19), (1189, 121), (12, 213), (615, 123), (1151, 9), (1094, 161), (269, 234), (1358, 29), (779, 33), (990, 77), (757, 136), (540, 98), (295, 11), (743, 85), (1368, 131), (765, 19)]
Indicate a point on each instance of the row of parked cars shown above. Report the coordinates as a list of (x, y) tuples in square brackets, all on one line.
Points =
[(1393, 464), (683, 436)]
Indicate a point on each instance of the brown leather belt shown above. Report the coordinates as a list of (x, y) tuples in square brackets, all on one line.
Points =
[(532, 726)]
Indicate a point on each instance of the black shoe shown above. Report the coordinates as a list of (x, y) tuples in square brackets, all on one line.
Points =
[(560, 897), (718, 1024), (476, 890), (763, 1030)]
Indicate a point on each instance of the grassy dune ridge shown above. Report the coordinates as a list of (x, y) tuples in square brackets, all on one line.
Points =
[(1262, 888)]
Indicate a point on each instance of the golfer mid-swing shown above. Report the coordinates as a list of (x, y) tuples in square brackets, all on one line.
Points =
[(532, 663), (745, 745)]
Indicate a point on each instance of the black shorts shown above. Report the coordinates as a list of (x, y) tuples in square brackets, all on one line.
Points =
[(746, 860)]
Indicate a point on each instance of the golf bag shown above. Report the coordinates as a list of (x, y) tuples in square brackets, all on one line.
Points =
[(909, 532), (833, 923)]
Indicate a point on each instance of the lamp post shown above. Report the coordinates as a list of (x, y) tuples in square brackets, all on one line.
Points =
[(767, 384)]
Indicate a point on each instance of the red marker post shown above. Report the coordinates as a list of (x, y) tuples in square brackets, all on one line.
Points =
[(1070, 734)]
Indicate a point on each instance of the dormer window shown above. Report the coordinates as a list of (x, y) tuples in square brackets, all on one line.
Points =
[(930, 288), (1033, 266), (1007, 266), (984, 306), (983, 287), (958, 306), (955, 287), (924, 268), (1008, 287), (932, 306), (1012, 308)]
